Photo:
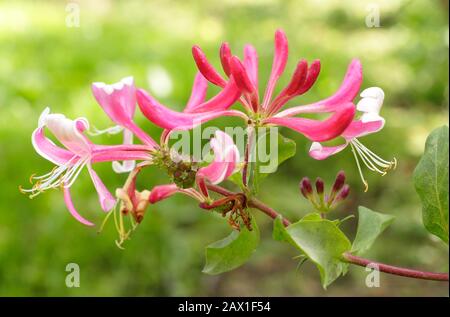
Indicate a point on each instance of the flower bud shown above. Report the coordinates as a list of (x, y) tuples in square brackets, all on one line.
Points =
[(319, 186), (344, 193), (339, 182), (225, 56), (305, 187)]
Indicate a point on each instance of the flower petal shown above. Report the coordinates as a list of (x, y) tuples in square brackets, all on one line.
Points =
[(48, 150), (107, 201), (225, 55), (68, 132), (359, 128), (251, 63), (198, 94), (316, 130), (169, 119), (117, 100), (162, 192), (241, 76), (279, 63), (72, 210), (320, 152), (346, 93), (226, 158), (222, 101)]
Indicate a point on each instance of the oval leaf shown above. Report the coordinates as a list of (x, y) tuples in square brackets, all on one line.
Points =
[(231, 252), (370, 225), (321, 241), (431, 183)]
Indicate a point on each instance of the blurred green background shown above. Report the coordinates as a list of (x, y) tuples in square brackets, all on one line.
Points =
[(45, 63)]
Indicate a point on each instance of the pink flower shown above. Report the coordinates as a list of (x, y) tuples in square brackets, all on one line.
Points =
[(226, 159), (78, 152), (266, 111), (369, 122), (196, 111), (119, 103)]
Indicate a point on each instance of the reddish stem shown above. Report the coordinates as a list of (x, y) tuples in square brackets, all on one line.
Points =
[(350, 258), (353, 259)]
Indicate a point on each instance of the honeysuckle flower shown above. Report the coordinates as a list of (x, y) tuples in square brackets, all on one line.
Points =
[(369, 122), (224, 164), (119, 103), (266, 111), (196, 111), (77, 152)]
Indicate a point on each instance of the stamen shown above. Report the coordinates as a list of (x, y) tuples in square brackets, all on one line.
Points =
[(62, 175), (371, 160), (366, 184), (389, 164), (368, 163)]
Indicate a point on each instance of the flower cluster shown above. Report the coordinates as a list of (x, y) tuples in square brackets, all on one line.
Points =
[(238, 85)]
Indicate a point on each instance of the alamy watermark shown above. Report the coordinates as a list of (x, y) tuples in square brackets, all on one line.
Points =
[(373, 278), (254, 144), (373, 17), (73, 278)]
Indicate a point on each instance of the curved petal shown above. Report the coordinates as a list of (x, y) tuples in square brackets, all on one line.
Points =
[(48, 150), (117, 100), (222, 101), (320, 152), (346, 93), (68, 132), (226, 158), (359, 128), (107, 201), (319, 130), (279, 63), (109, 156), (72, 210), (198, 94), (162, 192), (169, 119), (251, 63), (296, 83)]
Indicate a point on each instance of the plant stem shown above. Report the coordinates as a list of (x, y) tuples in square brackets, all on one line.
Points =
[(350, 258), (353, 259)]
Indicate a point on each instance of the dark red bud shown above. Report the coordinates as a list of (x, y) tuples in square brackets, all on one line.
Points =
[(225, 56), (319, 186), (313, 73), (339, 182), (343, 194), (305, 187), (206, 68)]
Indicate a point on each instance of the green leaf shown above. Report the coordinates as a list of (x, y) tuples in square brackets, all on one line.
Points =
[(231, 252), (270, 151), (370, 225), (322, 243), (431, 183)]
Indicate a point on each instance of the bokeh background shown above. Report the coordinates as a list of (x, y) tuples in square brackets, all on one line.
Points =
[(43, 62)]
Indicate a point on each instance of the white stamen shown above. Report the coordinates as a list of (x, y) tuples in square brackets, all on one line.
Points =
[(370, 159), (65, 174)]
